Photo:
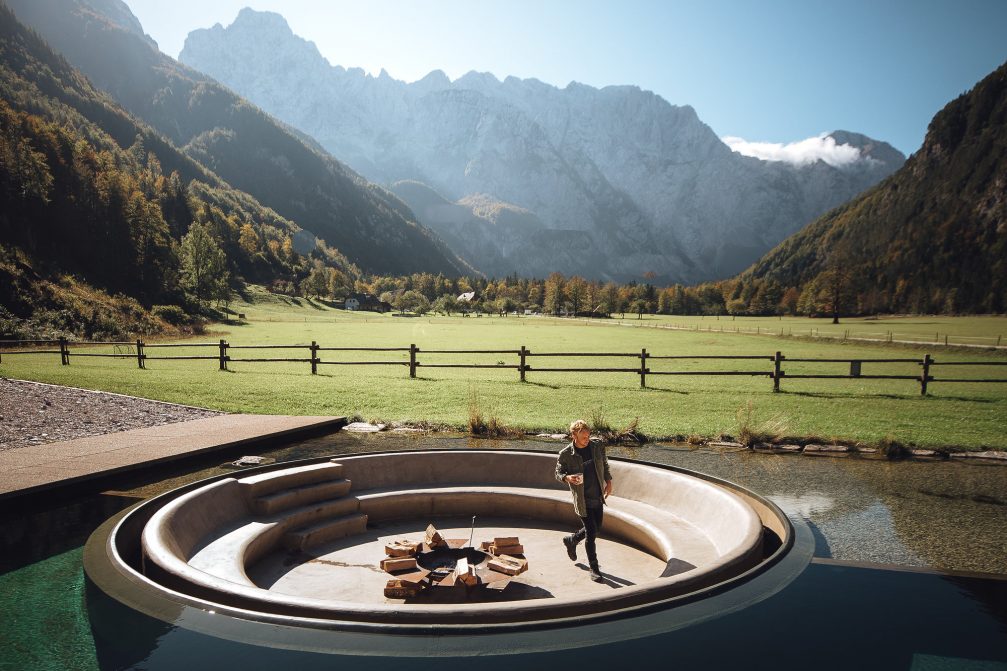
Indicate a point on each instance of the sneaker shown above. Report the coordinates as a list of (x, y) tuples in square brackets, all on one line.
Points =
[(596, 574), (571, 548)]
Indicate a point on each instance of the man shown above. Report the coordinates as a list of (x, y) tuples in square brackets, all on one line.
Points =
[(584, 467)]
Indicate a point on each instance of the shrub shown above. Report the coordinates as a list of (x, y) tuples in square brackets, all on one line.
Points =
[(172, 314), (893, 449), (751, 432)]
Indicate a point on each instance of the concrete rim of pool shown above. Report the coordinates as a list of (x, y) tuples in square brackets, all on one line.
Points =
[(205, 545)]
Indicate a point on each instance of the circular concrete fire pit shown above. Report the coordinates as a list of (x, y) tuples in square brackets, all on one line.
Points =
[(299, 543)]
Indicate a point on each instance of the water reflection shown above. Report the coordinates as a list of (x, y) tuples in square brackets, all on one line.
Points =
[(804, 506), (927, 514)]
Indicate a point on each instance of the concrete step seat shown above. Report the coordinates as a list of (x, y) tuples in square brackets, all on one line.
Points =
[(659, 532), (299, 495), (270, 482), (247, 540), (219, 529), (326, 530)]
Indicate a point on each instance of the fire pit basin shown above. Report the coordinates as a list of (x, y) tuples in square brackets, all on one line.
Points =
[(227, 544)]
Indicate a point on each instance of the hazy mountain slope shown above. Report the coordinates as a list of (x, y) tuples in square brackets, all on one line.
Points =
[(505, 238), (94, 202), (650, 185), (236, 140), (930, 238)]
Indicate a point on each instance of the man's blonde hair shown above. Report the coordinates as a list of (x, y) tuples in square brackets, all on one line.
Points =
[(577, 425)]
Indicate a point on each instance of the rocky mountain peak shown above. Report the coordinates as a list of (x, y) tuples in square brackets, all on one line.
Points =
[(118, 12), (869, 147)]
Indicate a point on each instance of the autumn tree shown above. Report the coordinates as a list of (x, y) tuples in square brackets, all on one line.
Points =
[(248, 239), (576, 291), (553, 300), (203, 265)]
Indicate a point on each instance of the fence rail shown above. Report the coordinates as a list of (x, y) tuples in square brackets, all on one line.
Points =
[(923, 376)]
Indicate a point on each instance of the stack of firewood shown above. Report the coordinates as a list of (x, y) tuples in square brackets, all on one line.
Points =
[(401, 555), (503, 550)]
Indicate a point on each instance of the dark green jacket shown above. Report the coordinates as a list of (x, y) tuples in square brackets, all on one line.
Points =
[(569, 463)]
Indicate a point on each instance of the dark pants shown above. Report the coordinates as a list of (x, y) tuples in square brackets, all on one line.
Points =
[(592, 524)]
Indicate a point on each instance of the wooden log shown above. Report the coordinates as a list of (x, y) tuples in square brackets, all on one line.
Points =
[(402, 589), (506, 540), (506, 550), (466, 574), (434, 538), (508, 565), (402, 548), (392, 564)]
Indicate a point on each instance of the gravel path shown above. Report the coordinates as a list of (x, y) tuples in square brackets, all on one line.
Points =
[(33, 413)]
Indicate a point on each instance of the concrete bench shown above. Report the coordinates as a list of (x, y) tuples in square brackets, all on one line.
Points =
[(216, 531)]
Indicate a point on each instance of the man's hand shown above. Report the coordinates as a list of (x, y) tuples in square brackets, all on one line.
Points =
[(575, 479), (608, 489)]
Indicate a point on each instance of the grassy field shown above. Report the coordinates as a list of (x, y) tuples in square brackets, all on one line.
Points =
[(957, 415)]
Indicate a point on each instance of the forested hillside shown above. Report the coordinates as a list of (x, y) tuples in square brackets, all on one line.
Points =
[(94, 203), (930, 238), (239, 142)]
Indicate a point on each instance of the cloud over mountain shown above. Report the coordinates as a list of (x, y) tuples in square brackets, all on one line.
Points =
[(803, 152)]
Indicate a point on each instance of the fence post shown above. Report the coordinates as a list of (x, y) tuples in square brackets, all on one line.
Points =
[(314, 359), (64, 352), (139, 354), (926, 374), (777, 360), (412, 360), (523, 354), (223, 354), (643, 368)]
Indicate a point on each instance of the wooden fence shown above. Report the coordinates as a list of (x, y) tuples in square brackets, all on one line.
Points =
[(138, 350)]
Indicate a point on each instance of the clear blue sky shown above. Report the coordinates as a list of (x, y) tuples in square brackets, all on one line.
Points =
[(765, 71)]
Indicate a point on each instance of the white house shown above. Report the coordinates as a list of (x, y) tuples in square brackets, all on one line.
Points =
[(352, 304), (467, 297)]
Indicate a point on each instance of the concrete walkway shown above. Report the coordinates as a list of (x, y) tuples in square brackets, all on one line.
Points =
[(40, 467)]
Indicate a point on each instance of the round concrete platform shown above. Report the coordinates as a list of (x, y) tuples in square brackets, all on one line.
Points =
[(345, 570), (300, 543)]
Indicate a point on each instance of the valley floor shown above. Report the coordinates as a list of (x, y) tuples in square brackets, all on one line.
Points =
[(953, 415)]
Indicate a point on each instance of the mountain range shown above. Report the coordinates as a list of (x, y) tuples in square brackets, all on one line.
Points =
[(102, 175), (618, 183)]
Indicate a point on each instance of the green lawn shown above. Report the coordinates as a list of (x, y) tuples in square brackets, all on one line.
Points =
[(957, 415)]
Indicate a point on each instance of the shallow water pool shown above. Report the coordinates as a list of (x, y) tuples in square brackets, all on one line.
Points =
[(870, 597)]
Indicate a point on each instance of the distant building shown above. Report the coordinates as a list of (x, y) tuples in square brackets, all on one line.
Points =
[(367, 302), (467, 297)]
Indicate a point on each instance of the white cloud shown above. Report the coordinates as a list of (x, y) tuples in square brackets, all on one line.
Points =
[(804, 152)]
